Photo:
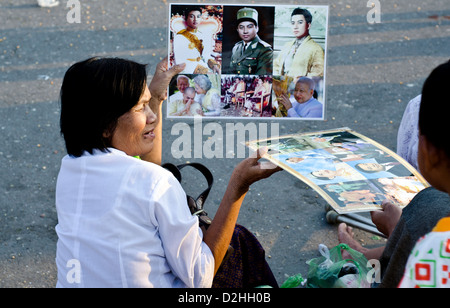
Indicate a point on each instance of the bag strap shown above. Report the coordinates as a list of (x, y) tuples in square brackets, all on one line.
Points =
[(200, 200)]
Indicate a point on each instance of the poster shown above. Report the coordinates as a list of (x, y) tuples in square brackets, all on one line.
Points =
[(350, 171), (248, 61)]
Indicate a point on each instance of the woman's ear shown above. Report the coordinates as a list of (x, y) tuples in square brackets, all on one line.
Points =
[(430, 157), (434, 164)]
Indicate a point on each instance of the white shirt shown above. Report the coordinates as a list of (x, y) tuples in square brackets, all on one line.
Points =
[(408, 133), (185, 52), (123, 222), (309, 109)]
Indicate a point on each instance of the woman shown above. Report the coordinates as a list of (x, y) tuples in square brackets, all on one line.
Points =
[(207, 95), (124, 222)]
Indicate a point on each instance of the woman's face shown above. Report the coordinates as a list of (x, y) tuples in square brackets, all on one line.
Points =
[(134, 133), (194, 18), (199, 89)]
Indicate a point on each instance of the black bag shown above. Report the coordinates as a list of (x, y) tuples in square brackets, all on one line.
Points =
[(195, 204)]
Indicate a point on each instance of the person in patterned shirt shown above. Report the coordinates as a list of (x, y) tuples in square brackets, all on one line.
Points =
[(429, 263)]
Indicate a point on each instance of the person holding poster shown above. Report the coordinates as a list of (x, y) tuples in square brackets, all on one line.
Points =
[(194, 47), (301, 56), (250, 56)]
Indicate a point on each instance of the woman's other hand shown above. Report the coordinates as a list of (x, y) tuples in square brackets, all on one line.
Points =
[(251, 170)]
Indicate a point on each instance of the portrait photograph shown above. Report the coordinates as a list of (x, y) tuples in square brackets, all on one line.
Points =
[(196, 37), (248, 40)]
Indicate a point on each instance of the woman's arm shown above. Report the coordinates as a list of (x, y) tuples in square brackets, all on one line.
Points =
[(218, 236), (158, 89)]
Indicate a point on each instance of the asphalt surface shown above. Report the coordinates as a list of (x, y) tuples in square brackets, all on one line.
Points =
[(373, 70)]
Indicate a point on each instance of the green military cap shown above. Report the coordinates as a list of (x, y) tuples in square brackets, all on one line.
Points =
[(247, 14)]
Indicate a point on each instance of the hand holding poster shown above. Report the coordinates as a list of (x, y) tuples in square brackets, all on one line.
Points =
[(240, 51), (350, 171)]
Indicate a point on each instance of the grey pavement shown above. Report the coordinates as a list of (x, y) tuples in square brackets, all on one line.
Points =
[(373, 70)]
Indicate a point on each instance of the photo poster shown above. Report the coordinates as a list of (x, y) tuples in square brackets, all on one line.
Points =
[(350, 171), (248, 61)]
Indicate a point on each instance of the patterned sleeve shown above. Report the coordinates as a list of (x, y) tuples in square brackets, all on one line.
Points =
[(429, 263)]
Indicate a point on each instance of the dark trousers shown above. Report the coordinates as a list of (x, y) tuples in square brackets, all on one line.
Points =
[(246, 266)]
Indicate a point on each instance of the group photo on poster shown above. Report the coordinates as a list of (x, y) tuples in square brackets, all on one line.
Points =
[(254, 61)]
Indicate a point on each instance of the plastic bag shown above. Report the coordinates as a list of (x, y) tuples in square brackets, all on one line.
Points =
[(331, 270), (293, 282)]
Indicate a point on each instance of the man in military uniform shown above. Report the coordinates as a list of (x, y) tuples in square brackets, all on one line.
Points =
[(251, 56)]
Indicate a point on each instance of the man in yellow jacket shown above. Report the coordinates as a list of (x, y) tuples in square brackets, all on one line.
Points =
[(302, 56)]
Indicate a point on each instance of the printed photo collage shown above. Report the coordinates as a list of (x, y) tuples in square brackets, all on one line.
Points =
[(352, 172), (242, 61)]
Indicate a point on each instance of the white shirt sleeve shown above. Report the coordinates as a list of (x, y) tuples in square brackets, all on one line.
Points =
[(408, 133), (188, 256), (292, 113)]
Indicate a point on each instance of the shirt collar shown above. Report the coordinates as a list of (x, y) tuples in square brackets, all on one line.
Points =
[(443, 225)]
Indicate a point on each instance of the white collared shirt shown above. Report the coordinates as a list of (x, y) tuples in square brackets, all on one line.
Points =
[(309, 109), (123, 222)]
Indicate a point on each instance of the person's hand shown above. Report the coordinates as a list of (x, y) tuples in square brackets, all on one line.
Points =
[(251, 170), (285, 101), (216, 69), (162, 77), (387, 219), (188, 104)]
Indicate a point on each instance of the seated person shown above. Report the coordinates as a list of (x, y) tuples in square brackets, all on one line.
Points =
[(206, 95), (258, 95), (125, 222), (305, 105), (301, 56), (404, 228), (193, 46), (429, 263)]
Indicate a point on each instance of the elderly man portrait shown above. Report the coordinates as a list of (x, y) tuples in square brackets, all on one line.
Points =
[(301, 56), (304, 105)]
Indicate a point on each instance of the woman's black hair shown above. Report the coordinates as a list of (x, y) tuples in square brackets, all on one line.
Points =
[(434, 108), (94, 94), (304, 12)]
